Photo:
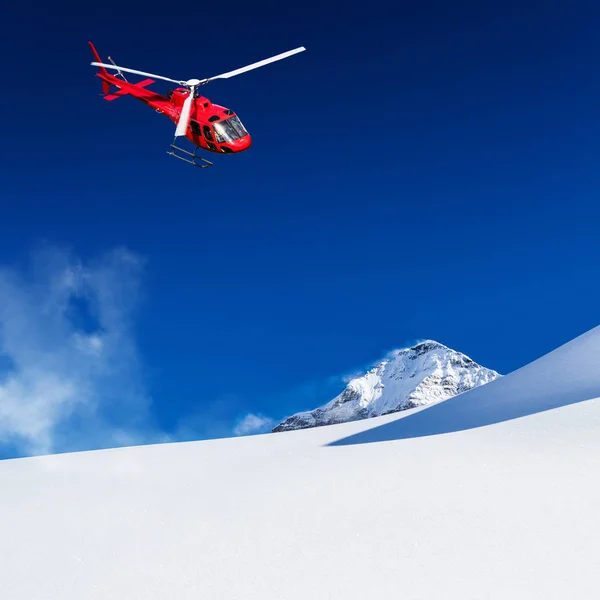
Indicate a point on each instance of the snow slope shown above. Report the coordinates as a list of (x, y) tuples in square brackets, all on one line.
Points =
[(507, 510), (423, 374)]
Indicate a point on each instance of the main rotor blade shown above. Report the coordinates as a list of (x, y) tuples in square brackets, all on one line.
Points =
[(255, 65), (184, 118), (108, 66)]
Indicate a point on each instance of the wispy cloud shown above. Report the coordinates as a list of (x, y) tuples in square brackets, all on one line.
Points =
[(348, 377), (252, 423), (72, 377)]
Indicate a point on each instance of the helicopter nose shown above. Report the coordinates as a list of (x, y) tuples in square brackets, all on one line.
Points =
[(246, 142), (242, 144)]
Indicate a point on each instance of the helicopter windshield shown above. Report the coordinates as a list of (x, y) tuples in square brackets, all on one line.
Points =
[(229, 130)]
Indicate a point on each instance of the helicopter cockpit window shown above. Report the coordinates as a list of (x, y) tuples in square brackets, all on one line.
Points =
[(229, 130)]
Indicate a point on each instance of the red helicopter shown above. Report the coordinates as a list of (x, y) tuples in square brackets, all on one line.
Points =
[(207, 125)]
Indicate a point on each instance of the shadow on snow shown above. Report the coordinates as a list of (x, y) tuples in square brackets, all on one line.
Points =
[(568, 375)]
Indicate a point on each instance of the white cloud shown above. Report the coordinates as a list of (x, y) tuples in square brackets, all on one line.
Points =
[(71, 377), (71, 383), (252, 423)]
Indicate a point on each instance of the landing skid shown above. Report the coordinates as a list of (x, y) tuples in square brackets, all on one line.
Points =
[(193, 157)]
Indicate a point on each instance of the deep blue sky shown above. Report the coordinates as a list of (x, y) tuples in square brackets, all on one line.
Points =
[(423, 170)]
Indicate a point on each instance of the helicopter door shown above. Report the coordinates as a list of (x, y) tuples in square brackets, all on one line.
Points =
[(210, 140), (195, 128)]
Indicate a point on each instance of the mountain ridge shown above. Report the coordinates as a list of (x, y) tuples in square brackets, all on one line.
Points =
[(422, 374)]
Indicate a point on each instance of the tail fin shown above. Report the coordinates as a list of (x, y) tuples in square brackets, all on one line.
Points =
[(105, 84)]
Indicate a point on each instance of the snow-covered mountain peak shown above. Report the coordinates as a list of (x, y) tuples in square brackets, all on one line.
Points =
[(425, 373)]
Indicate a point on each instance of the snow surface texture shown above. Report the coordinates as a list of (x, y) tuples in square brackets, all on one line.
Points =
[(424, 374), (506, 511)]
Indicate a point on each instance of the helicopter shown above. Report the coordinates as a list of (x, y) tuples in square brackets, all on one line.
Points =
[(207, 125)]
